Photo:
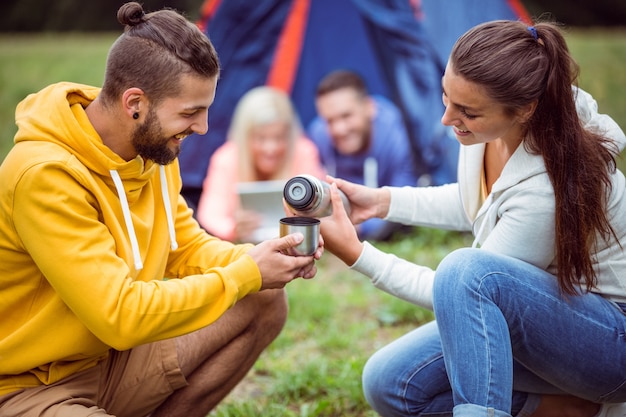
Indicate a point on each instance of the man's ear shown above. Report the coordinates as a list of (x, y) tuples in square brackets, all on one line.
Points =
[(372, 109), (134, 102)]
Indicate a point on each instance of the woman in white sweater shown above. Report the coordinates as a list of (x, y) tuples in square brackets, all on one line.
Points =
[(530, 321)]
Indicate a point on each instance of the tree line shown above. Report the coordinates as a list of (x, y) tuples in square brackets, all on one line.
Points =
[(100, 15), (79, 15)]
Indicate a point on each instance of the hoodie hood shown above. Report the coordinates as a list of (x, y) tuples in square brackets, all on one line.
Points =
[(57, 115)]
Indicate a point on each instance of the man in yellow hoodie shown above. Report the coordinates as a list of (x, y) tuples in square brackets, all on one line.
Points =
[(113, 301)]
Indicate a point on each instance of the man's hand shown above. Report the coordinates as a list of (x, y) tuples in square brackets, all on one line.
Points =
[(277, 268)]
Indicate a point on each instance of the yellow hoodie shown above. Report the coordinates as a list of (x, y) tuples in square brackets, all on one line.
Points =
[(78, 279)]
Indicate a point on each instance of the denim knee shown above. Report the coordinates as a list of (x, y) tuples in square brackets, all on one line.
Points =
[(458, 272), (375, 384), (402, 378), (384, 383)]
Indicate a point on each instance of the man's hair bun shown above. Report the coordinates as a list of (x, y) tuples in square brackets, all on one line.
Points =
[(131, 14)]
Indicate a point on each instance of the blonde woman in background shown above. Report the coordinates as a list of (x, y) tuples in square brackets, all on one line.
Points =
[(265, 143)]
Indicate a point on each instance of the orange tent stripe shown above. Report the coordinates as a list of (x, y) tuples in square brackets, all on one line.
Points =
[(520, 10), (207, 10), (285, 64)]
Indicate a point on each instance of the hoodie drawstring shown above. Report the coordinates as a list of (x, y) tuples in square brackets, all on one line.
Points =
[(119, 186), (127, 219), (168, 209)]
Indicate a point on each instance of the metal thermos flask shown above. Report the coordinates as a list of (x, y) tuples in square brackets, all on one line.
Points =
[(310, 197)]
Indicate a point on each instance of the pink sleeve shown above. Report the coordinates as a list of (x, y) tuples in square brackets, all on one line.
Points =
[(306, 159), (218, 200)]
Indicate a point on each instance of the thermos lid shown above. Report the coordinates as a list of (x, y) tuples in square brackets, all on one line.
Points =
[(299, 193)]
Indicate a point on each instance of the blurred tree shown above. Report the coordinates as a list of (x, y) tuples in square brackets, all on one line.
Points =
[(580, 12), (78, 15), (99, 15)]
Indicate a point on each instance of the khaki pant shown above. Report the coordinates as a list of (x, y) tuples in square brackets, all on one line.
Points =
[(132, 383)]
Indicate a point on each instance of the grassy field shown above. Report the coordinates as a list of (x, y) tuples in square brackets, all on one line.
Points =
[(30, 62), (338, 319)]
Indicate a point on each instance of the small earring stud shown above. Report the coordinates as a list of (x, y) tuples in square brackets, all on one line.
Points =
[(135, 115)]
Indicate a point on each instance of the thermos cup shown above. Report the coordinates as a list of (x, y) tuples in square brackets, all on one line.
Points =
[(310, 229)]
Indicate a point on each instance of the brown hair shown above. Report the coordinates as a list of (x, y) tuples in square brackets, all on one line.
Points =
[(339, 79), (518, 65), (154, 51)]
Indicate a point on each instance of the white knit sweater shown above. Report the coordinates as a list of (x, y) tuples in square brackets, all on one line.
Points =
[(516, 219)]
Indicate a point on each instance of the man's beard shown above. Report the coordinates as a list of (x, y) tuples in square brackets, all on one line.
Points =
[(149, 142)]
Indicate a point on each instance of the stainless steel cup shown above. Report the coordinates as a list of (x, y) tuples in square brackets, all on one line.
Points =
[(309, 227)]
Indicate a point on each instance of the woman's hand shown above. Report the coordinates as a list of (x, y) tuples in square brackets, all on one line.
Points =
[(246, 223), (365, 202), (340, 237)]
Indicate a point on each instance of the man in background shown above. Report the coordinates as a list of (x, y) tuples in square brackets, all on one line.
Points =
[(363, 139)]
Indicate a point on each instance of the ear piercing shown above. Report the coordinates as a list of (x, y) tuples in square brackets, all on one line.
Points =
[(135, 115)]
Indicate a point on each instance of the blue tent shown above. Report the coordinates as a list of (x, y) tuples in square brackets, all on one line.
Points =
[(400, 47)]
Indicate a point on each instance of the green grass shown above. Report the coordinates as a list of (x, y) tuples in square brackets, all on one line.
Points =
[(336, 322), (601, 55), (31, 62), (337, 319)]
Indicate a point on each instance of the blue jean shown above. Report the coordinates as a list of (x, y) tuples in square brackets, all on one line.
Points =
[(503, 335)]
